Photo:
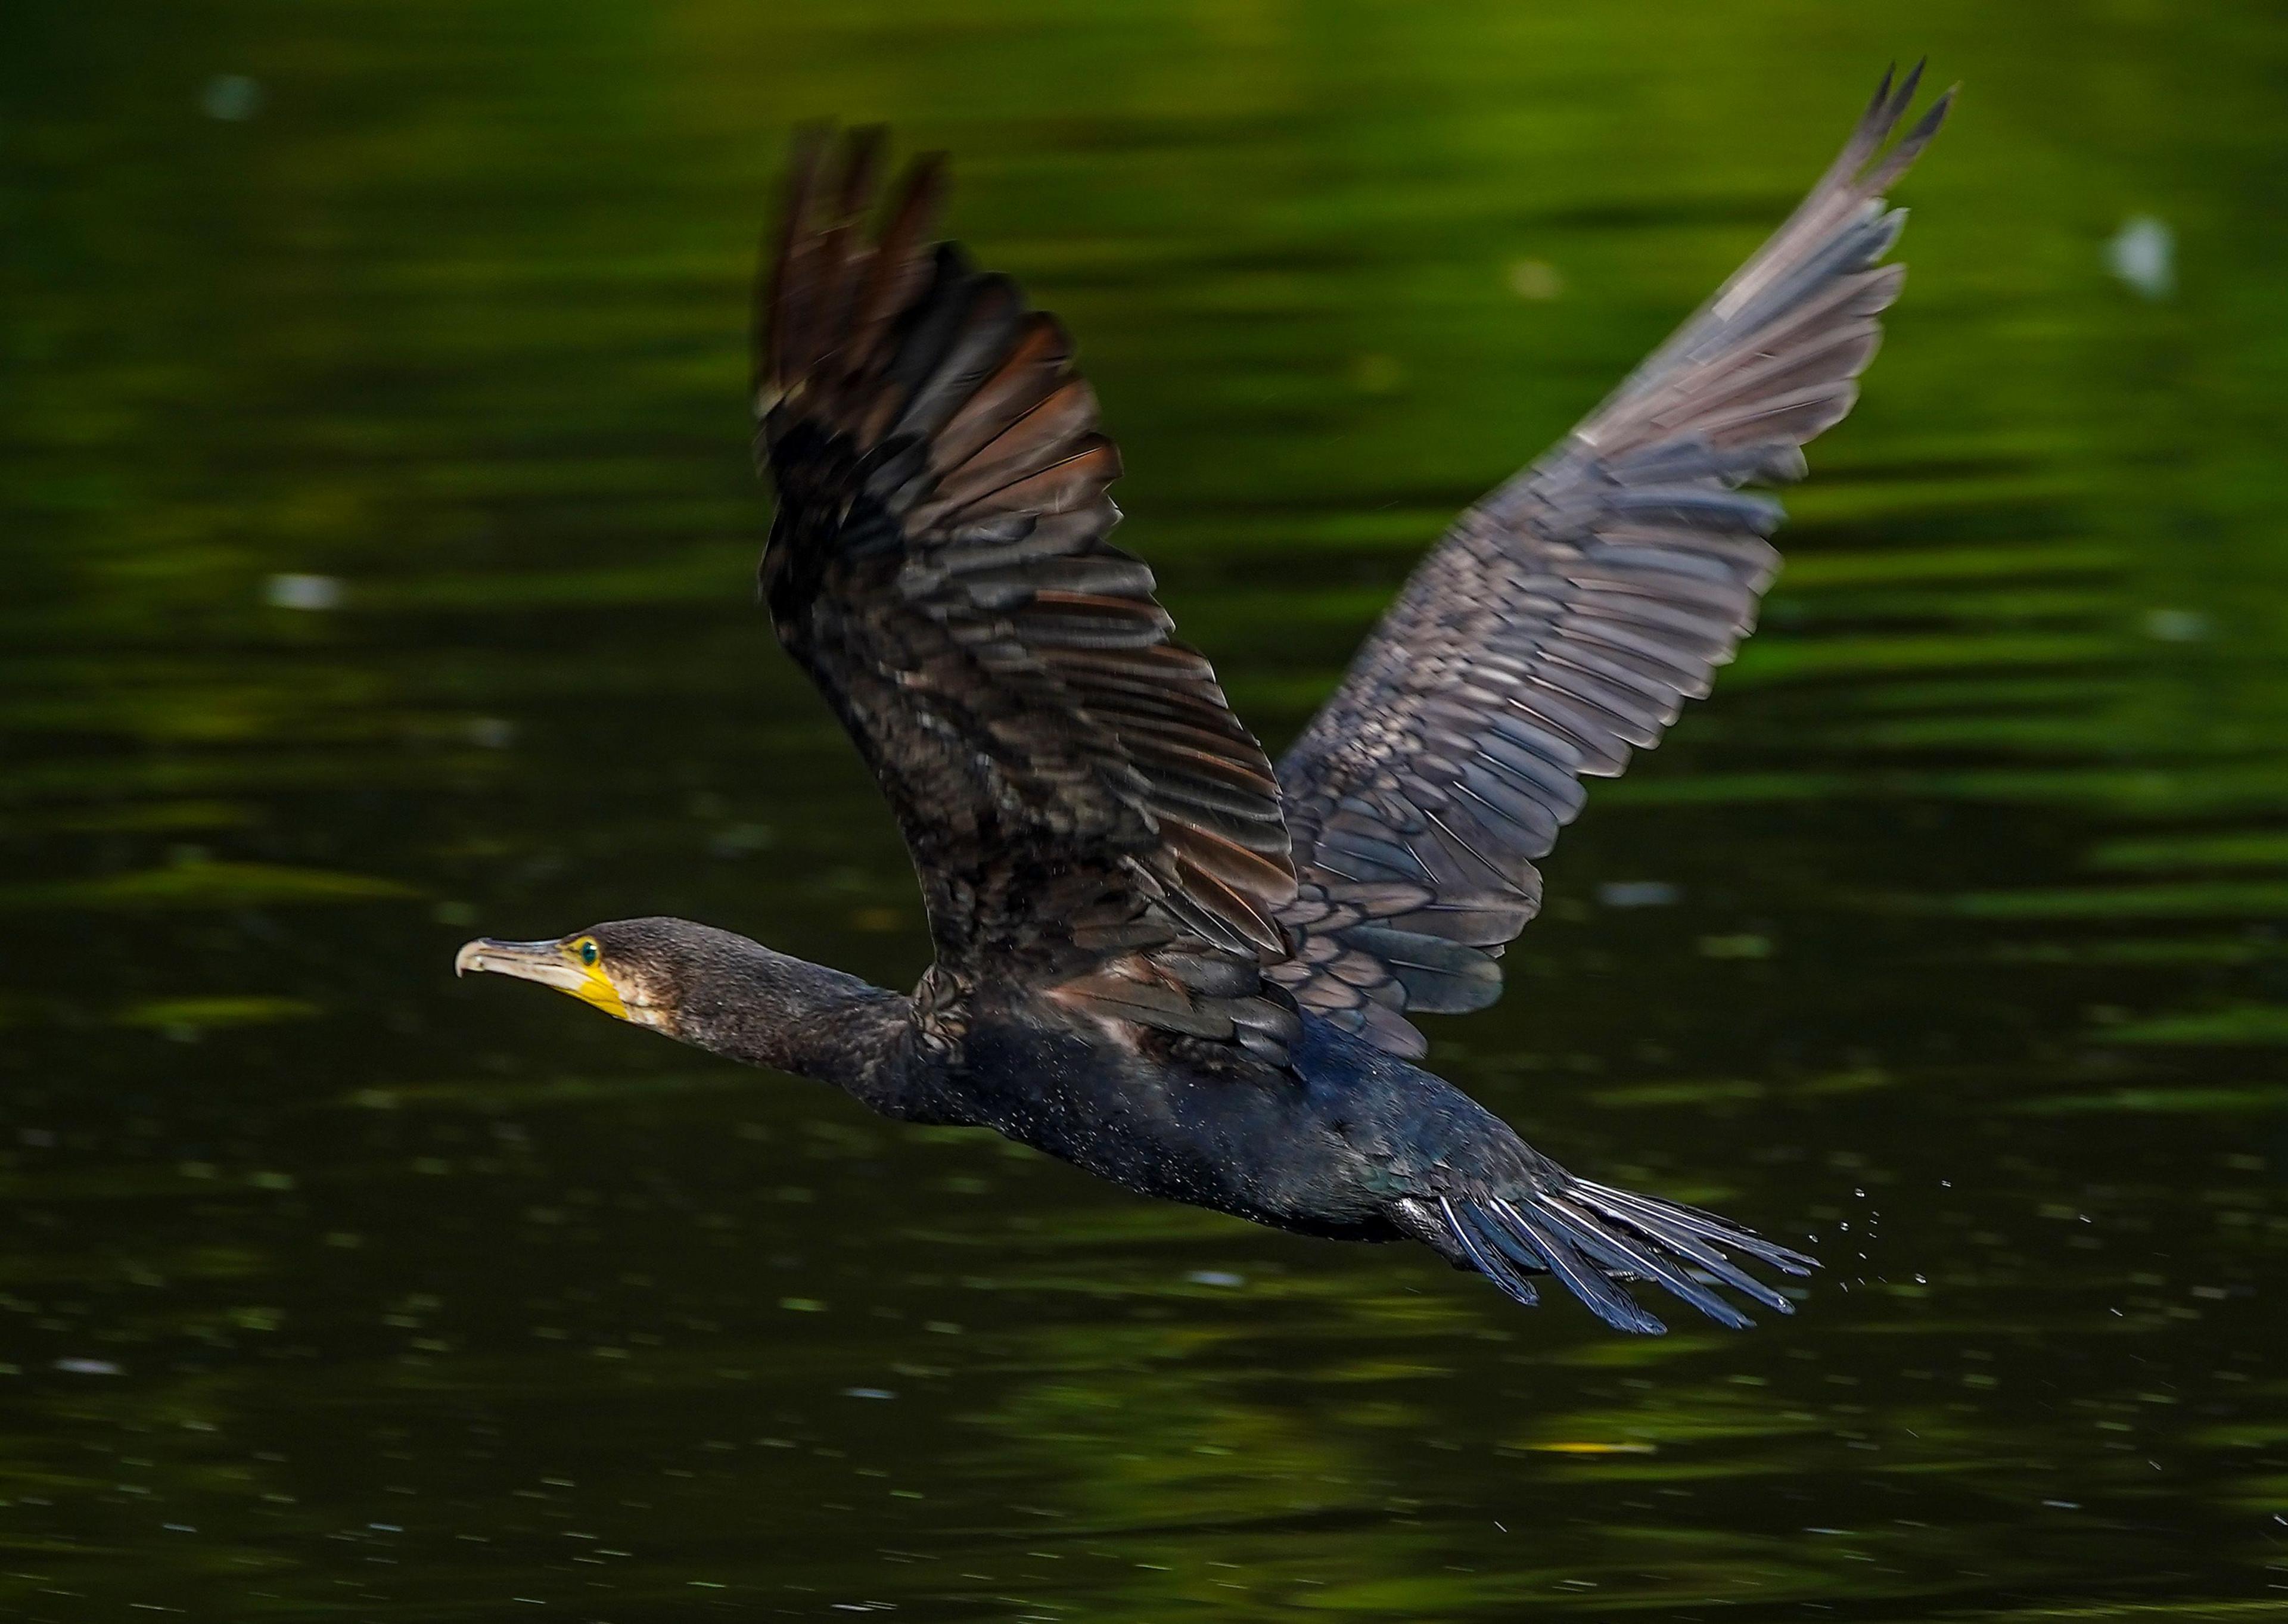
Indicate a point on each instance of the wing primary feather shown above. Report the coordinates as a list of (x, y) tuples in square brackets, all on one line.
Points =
[(1570, 612), (783, 294), (1087, 818), (894, 275)]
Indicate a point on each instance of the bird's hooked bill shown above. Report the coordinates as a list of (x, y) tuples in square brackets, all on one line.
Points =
[(545, 962), (559, 964)]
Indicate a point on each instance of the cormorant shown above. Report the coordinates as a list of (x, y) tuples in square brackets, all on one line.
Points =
[(1157, 957)]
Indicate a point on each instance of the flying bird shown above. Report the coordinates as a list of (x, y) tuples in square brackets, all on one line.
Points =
[(1157, 955)]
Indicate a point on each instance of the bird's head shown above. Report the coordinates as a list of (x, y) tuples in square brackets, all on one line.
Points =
[(693, 983), (635, 969)]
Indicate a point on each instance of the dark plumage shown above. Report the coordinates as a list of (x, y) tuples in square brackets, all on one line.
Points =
[(1157, 957)]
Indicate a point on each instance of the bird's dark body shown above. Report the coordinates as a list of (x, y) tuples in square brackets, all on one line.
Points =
[(1158, 957), (1322, 1148)]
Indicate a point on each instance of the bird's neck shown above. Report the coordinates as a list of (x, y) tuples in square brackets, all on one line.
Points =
[(765, 1009)]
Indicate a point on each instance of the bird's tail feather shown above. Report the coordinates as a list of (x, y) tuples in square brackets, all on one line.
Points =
[(1592, 1237)]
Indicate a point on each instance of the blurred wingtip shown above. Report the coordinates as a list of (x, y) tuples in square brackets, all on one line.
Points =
[(1905, 96)]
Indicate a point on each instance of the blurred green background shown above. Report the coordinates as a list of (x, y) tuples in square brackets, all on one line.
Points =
[(378, 529)]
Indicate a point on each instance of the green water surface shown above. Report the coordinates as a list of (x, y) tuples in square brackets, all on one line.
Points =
[(336, 1289)]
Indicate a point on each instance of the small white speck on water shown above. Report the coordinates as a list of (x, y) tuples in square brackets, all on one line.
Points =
[(2143, 254), (231, 98), (2178, 626), (311, 593), (1637, 893)]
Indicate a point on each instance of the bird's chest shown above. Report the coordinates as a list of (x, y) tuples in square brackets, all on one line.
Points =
[(1246, 1145), (1119, 1115)]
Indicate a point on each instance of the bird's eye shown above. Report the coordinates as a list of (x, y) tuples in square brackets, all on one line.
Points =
[(588, 952)]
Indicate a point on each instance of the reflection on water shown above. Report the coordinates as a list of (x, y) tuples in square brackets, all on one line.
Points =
[(380, 532)]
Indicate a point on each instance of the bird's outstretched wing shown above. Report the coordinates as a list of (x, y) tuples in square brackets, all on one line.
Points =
[(1087, 817), (1567, 615)]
